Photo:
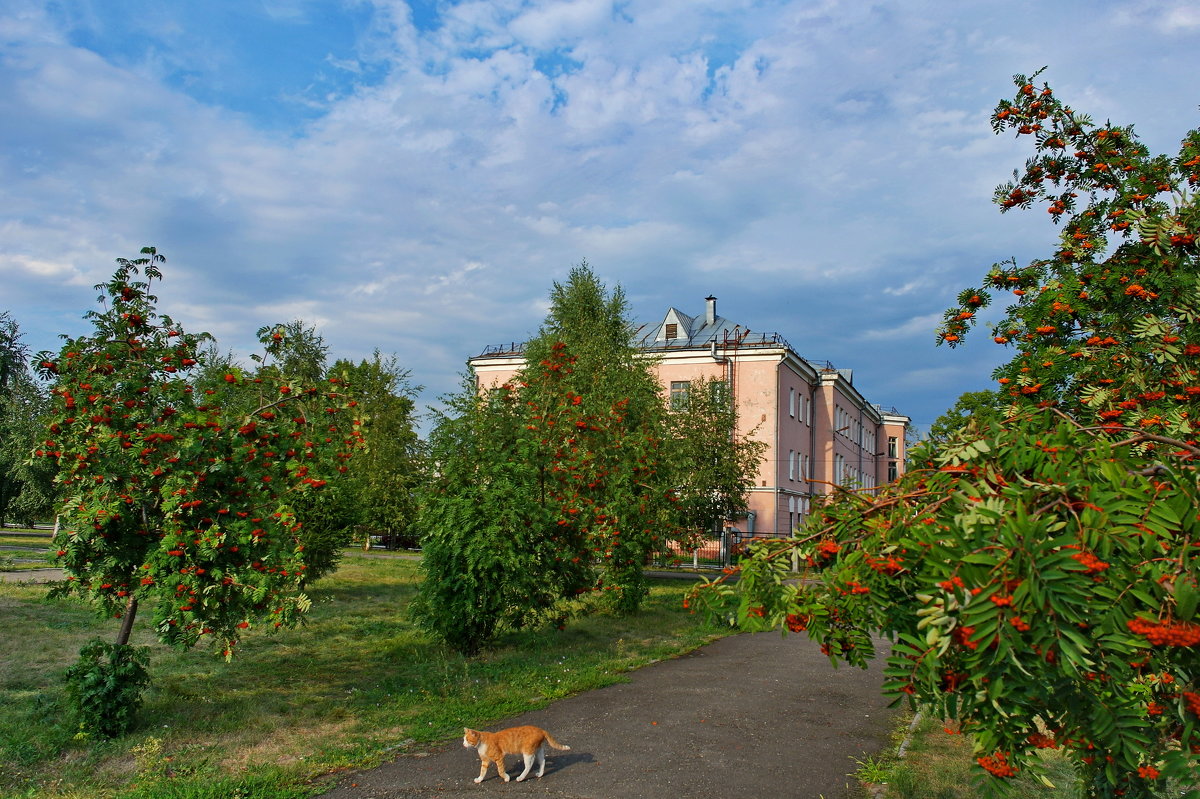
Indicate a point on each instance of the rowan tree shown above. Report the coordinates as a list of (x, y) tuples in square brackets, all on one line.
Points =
[(296, 352), (561, 482), (1036, 570), (169, 500), (600, 428)]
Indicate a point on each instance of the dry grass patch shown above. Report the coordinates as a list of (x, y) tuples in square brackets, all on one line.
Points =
[(282, 746)]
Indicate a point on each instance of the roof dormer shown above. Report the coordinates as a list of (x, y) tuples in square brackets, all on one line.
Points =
[(675, 326)]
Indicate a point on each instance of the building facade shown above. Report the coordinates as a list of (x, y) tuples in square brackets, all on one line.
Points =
[(818, 429)]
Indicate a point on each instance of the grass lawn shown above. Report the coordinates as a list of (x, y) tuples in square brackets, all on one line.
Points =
[(32, 551), (36, 541), (356, 684), (938, 765)]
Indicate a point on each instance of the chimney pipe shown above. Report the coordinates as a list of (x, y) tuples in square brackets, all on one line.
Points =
[(710, 314)]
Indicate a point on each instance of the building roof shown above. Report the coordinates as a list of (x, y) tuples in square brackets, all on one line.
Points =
[(701, 333)]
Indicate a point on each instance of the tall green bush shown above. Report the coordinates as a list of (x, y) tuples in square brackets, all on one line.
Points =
[(491, 556)]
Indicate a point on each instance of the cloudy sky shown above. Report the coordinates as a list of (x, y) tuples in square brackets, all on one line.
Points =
[(412, 176)]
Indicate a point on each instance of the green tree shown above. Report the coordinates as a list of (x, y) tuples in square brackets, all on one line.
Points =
[(14, 355), (597, 415), (296, 351), (1038, 572), (552, 485), (383, 481), (973, 406), (492, 556), (293, 349), (26, 488), (169, 500), (712, 467)]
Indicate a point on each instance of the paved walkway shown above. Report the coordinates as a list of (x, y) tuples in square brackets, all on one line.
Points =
[(747, 716), (31, 576)]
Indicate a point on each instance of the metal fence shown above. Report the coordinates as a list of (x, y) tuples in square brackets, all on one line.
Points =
[(715, 552)]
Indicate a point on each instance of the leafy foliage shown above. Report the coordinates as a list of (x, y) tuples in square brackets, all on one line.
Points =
[(562, 481), (597, 420), (971, 406), (491, 556), (712, 466), (1037, 573), (26, 488), (168, 498), (105, 687), (381, 486)]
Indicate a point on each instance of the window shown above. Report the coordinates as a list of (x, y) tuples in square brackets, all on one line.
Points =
[(672, 330), (679, 394), (792, 402), (791, 464), (893, 447), (893, 472), (808, 410)]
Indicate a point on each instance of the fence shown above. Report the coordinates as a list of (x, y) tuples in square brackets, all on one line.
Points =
[(715, 552)]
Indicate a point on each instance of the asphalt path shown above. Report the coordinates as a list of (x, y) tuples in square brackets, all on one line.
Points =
[(749, 715), (31, 576)]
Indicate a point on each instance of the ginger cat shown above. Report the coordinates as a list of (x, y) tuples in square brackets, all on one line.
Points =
[(529, 742)]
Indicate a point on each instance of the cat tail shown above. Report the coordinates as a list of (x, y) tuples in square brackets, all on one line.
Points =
[(550, 740)]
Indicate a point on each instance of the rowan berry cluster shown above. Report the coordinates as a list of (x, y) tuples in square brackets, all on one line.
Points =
[(997, 765), (797, 622), (1042, 741), (1091, 563), (1168, 633)]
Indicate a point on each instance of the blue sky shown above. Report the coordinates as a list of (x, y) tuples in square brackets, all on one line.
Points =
[(411, 176)]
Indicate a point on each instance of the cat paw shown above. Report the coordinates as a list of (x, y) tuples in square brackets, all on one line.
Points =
[(506, 778), (520, 778), (478, 779)]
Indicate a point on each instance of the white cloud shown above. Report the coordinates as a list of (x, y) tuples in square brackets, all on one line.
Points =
[(551, 24), (1168, 17), (913, 327), (826, 165), (18, 267)]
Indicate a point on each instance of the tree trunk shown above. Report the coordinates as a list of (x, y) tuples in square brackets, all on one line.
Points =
[(4, 482), (127, 622)]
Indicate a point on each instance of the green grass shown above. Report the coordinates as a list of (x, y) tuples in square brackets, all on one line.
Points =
[(27, 548), (37, 541), (28, 561), (356, 684), (938, 765)]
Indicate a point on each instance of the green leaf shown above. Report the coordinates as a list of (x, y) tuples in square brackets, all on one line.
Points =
[(1186, 598)]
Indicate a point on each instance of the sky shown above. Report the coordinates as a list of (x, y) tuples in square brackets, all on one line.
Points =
[(413, 176)]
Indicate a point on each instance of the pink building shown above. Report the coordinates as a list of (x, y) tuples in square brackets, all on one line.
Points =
[(819, 430)]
